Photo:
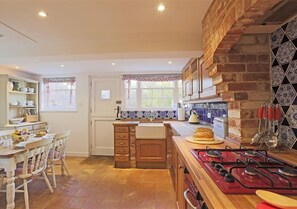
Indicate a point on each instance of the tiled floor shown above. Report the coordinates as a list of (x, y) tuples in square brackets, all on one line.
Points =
[(95, 184)]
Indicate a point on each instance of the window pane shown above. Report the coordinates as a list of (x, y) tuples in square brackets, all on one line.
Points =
[(146, 103), (157, 93), (59, 94), (179, 83), (168, 84), (167, 102), (133, 84), (146, 93), (168, 93), (157, 103), (132, 93)]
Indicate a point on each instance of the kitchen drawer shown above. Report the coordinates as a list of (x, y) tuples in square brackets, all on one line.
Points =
[(119, 157), (40, 126), (121, 129), (122, 150), (27, 127), (120, 136), (121, 143)]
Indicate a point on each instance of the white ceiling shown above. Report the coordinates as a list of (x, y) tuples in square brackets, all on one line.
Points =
[(88, 35)]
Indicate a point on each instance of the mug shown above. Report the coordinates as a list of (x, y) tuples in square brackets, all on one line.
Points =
[(30, 103), (23, 103), (31, 90), (23, 89)]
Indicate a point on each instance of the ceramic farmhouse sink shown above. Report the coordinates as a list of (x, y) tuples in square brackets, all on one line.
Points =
[(150, 131)]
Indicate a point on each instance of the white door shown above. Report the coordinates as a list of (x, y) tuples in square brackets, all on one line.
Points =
[(104, 94)]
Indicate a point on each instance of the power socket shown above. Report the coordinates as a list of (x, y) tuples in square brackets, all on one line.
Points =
[(208, 115)]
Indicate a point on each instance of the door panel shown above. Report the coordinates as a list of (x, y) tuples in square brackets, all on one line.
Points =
[(104, 94), (102, 137)]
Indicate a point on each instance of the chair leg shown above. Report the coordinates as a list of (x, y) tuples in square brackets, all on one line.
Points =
[(47, 182), (1, 180), (26, 195), (64, 166), (54, 175)]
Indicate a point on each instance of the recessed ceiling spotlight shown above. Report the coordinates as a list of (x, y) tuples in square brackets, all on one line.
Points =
[(169, 62), (161, 7), (112, 63), (42, 14), (62, 65), (17, 67)]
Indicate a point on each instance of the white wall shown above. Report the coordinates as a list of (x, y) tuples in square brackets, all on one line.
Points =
[(77, 122), (18, 73)]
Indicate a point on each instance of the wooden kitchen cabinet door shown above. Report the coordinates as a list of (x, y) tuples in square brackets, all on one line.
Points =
[(180, 186), (195, 80), (207, 89), (151, 150)]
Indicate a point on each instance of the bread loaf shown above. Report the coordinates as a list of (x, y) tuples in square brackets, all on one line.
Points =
[(203, 133)]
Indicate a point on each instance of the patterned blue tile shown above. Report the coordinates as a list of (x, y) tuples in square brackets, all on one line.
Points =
[(284, 80)]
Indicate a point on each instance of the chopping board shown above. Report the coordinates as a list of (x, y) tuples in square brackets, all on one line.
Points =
[(277, 200), (203, 140)]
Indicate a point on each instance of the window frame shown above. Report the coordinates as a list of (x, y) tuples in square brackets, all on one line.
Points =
[(139, 97), (61, 109)]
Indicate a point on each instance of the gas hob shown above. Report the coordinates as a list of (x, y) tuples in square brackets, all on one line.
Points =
[(243, 171)]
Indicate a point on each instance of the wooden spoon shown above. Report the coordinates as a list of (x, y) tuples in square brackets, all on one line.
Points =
[(277, 200)]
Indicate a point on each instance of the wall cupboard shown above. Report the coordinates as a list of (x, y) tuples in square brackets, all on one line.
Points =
[(197, 85)]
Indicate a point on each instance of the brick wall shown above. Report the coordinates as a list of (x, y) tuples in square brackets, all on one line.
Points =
[(242, 78), (239, 64), (225, 22)]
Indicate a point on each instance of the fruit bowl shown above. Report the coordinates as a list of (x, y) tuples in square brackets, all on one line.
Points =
[(16, 120)]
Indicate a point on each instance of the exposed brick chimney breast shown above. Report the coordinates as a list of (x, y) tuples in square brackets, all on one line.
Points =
[(238, 63)]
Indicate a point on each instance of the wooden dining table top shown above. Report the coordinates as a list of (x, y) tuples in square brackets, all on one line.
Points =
[(7, 152)]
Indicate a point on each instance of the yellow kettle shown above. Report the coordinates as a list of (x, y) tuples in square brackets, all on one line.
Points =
[(193, 117)]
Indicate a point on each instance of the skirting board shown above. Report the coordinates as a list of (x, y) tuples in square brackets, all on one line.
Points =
[(77, 154)]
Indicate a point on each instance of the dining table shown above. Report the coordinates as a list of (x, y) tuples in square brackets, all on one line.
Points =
[(9, 158)]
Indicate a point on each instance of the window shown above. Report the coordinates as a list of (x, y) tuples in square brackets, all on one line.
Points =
[(151, 95), (58, 94)]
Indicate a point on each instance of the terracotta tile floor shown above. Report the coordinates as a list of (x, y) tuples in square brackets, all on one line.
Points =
[(95, 184)]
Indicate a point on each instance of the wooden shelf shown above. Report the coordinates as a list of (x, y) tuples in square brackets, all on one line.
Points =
[(20, 106), (20, 92)]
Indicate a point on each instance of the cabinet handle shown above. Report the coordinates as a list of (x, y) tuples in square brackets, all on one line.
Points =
[(180, 166), (121, 143), (187, 199)]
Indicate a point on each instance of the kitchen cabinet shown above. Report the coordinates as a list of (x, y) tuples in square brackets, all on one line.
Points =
[(18, 95), (195, 79), (121, 146), (197, 85), (151, 152), (33, 128), (207, 89), (180, 184), (187, 82)]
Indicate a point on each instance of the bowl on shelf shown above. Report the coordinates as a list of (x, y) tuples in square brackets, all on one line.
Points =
[(16, 120)]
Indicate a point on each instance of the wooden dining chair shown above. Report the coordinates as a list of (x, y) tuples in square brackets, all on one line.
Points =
[(34, 165), (57, 155), (4, 135)]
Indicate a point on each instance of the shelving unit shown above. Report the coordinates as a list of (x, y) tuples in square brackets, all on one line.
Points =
[(14, 101)]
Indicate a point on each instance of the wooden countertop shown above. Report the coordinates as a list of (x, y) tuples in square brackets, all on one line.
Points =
[(213, 196)]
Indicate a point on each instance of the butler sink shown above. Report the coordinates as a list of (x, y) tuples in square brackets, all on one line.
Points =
[(150, 131)]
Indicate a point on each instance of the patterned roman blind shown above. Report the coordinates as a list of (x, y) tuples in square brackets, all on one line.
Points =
[(152, 77)]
